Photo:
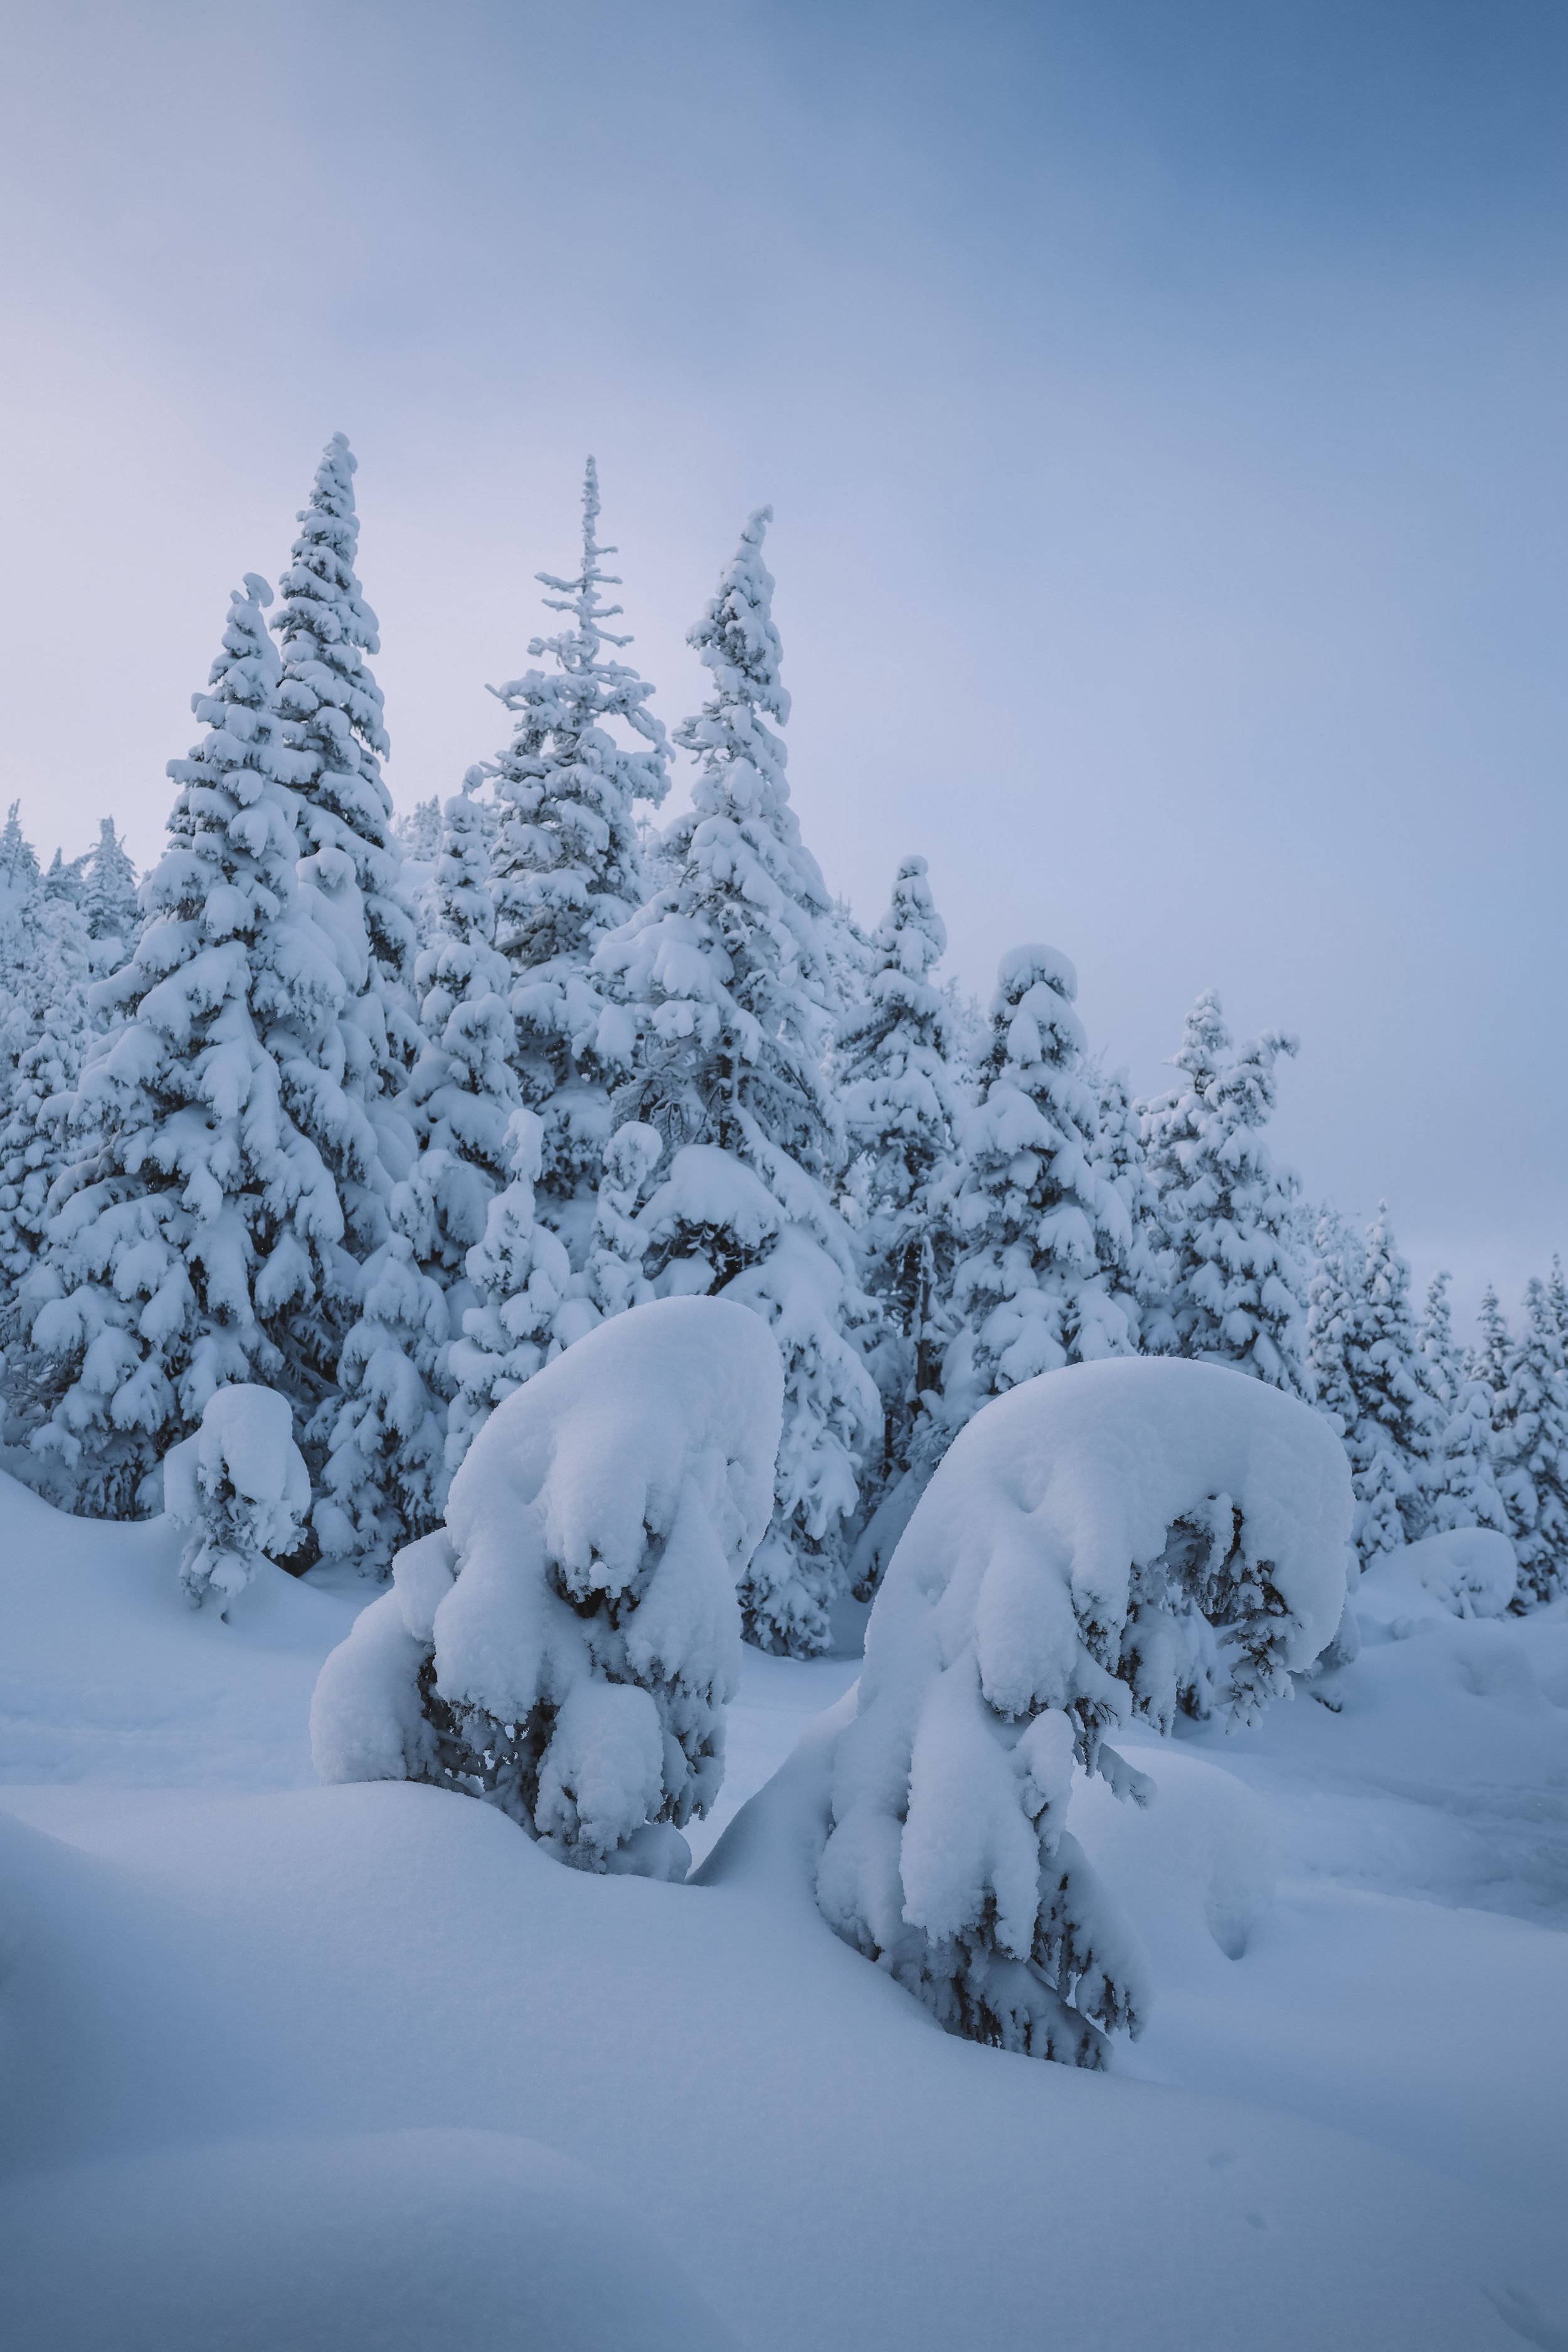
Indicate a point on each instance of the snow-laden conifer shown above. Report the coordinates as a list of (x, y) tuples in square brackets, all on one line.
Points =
[(200, 1240), (1460, 1471), (565, 1647), (52, 1029), (724, 985), (352, 859), (567, 869), (901, 1102), (463, 1089), (1084, 1539), (385, 1479), (1392, 1433), (1037, 1222), (109, 899), (239, 1488), (1532, 1418), (1134, 1263), (1236, 1287), (519, 1273)]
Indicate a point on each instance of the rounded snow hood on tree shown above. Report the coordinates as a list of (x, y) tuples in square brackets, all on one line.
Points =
[(566, 1646), (1116, 1536)]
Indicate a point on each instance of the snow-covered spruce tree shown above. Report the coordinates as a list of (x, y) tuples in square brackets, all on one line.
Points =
[(55, 1019), (1135, 1265), (1036, 1223), (240, 1489), (1534, 1447), (1459, 1473), (1237, 1290), (19, 867), (565, 1647), (519, 1273), (352, 862), (385, 1478), (1048, 1587), (108, 897), (567, 871), (901, 1101), (1393, 1428), (199, 1239), (724, 986)]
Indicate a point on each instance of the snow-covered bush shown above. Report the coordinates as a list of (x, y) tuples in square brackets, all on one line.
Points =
[(240, 1489), (1111, 1539), (566, 1646), (1466, 1572)]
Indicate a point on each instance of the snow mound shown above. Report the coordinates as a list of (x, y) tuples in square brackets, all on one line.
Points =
[(566, 1646), (385, 2241), (1195, 1873), (1467, 1572), (1116, 1538), (239, 1486)]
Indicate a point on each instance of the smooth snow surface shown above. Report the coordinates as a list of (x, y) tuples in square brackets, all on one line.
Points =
[(240, 2015)]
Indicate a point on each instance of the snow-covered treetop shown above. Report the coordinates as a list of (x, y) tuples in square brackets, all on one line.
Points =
[(729, 968), (325, 627), (567, 863), (109, 892), (335, 707)]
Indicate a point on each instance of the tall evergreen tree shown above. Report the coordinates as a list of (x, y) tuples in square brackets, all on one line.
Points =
[(1533, 1447), (901, 1103), (1237, 1289), (1037, 1224), (352, 862), (201, 1237), (1134, 1265), (567, 871), (51, 1029), (1392, 1433), (108, 895), (724, 982)]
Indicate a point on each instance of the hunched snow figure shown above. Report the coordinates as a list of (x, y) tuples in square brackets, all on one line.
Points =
[(240, 1487), (565, 1647), (1102, 1542)]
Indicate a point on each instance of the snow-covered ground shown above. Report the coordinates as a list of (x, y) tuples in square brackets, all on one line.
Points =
[(363, 2067)]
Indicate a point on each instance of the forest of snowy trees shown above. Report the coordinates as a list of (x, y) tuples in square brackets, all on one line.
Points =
[(381, 1114)]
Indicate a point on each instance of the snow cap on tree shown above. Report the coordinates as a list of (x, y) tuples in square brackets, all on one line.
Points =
[(239, 1487), (1077, 1532), (566, 1646)]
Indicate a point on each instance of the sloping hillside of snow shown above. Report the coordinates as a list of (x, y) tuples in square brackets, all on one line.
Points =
[(366, 2058)]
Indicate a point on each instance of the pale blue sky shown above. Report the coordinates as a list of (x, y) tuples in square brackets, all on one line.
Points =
[(1163, 408)]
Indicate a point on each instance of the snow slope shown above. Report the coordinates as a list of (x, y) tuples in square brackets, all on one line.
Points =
[(226, 1993)]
